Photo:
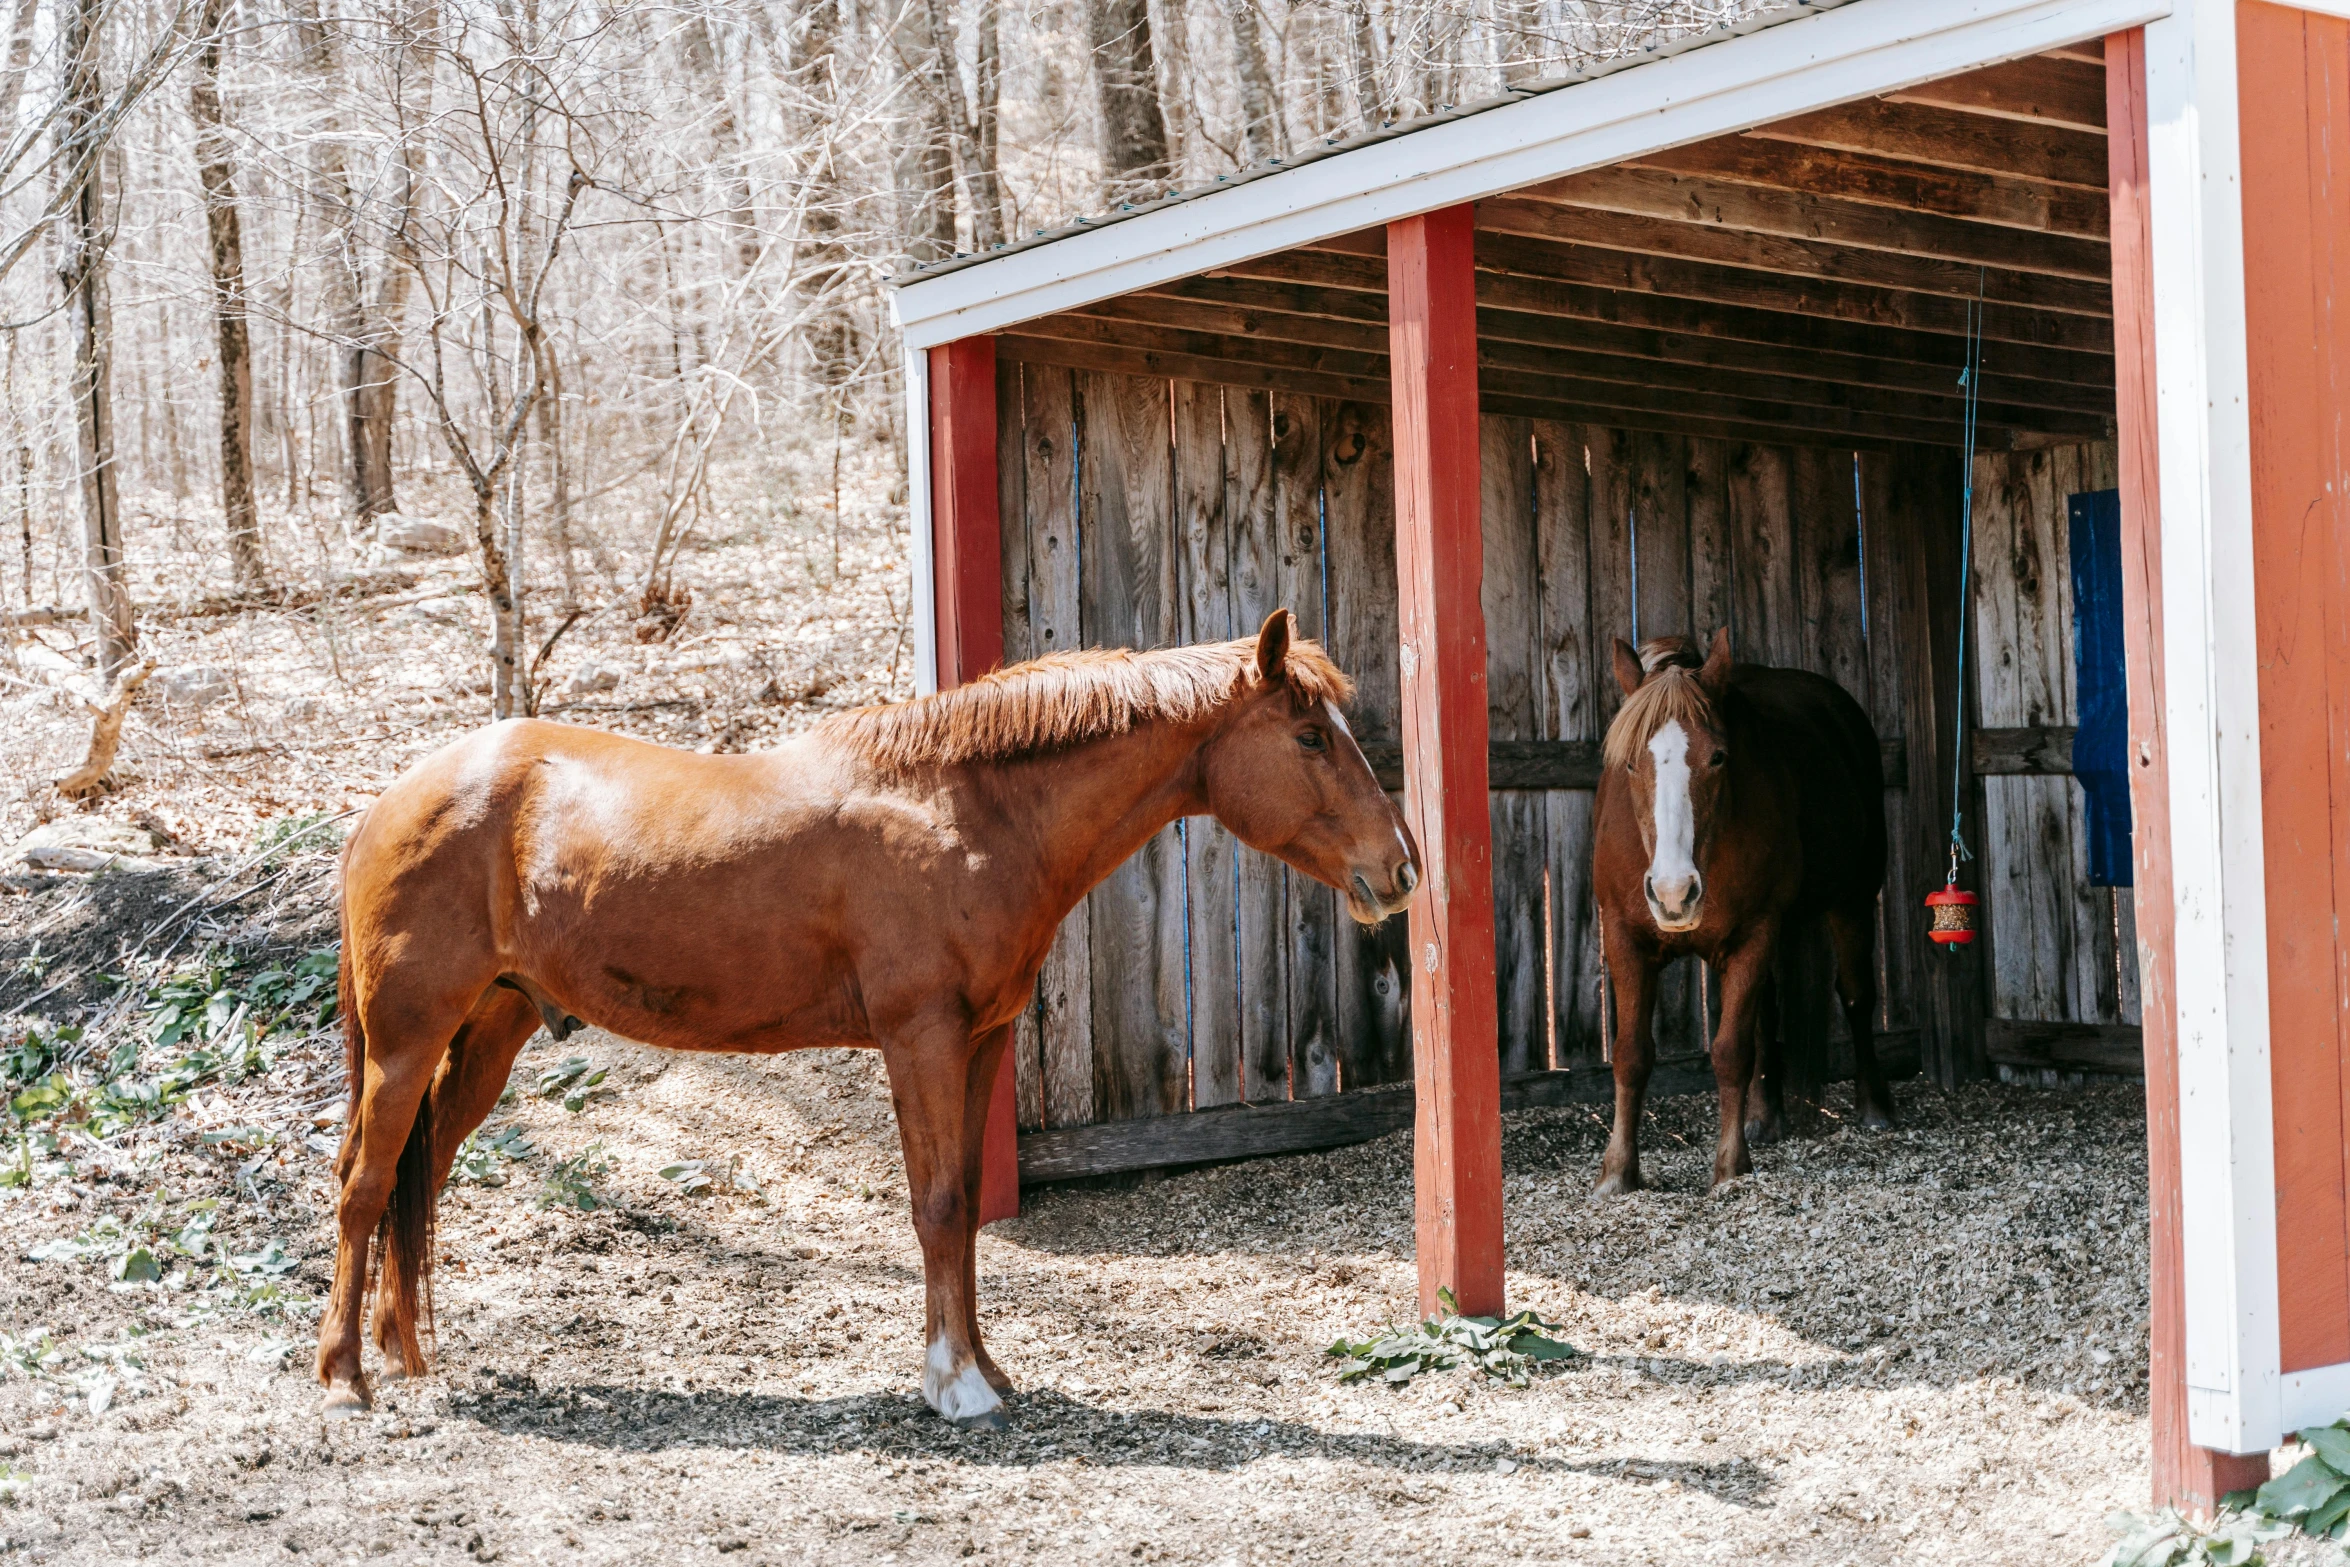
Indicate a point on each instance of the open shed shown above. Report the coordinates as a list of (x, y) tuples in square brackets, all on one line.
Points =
[(1678, 344)]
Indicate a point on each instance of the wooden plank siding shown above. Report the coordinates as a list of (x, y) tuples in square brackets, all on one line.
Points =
[(2063, 952), (1148, 512)]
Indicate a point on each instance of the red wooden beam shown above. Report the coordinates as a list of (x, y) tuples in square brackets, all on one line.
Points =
[(2185, 1476), (1456, 1058), (968, 569)]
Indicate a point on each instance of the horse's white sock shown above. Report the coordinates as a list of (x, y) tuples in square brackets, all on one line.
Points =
[(953, 1386)]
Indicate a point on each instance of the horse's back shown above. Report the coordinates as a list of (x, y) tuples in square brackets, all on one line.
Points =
[(1829, 748)]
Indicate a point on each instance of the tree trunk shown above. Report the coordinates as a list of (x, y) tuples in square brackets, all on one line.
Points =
[(20, 60), (81, 133), (1126, 83), (987, 186), (1260, 108), (550, 416), (826, 273), (497, 583), (925, 165), (218, 173)]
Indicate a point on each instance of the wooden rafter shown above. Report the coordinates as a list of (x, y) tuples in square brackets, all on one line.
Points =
[(2033, 205), (2040, 90), (1197, 309), (1826, 220), (1574, 305), (1783, 257), (1950, 139)]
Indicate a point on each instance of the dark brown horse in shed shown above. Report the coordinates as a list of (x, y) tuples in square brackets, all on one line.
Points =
[(892, 878), (1736, 803)]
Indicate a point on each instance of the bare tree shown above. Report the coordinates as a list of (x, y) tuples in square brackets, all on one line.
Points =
[(216, 168), (1260, 105), (1134, 152), (81, 133)]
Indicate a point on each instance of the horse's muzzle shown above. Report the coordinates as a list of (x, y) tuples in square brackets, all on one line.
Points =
[(1675, 904), (1371, 906)]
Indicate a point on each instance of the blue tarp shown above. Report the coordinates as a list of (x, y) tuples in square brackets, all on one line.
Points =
[(2101, 743)]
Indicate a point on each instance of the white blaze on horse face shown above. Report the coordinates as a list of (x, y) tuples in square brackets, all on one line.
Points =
[(955, 1391), (1672, 868)]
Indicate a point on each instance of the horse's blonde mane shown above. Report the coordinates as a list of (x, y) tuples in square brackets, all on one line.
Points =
[(1671, 694), (1065, 699)]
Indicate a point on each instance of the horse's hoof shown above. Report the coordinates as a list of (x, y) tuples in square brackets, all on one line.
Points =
[(1761, 1134), (985, 1420), (1874, 1120), (346, 1400), (1617, 1185)]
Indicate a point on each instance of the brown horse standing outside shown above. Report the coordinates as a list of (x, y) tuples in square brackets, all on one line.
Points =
[(1736, 803), (892, 878)]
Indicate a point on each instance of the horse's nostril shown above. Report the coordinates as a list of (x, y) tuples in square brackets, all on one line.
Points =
[(1407, 877), (1363, 891)]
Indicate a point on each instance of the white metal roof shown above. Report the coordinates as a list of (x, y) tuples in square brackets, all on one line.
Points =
[(1782, 62)]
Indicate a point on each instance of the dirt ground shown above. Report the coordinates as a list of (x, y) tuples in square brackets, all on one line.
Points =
[(1925, 1346)]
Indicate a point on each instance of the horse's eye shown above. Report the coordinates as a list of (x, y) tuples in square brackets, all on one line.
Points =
[(1311, 739), (1719, 757)]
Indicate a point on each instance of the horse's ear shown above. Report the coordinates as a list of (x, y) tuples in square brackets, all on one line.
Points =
[(1629, 674), (1273, 648), (1716, 673)]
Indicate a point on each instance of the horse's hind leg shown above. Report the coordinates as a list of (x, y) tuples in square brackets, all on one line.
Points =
[(987, 1058), (930, 1067), (1854, 936), (463, 1093), (404, 1022)]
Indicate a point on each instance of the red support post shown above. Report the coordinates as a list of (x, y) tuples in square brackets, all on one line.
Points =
[(1456, 1057), (2185, 1476), (967, 569)]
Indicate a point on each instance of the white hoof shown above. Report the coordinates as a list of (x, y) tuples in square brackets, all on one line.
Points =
[(952, 1385)]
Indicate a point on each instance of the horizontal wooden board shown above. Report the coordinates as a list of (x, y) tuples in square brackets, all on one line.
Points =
[(1570, 764), (2034, 205), (2039, 749), (1338, 1120), (2063, 1047)]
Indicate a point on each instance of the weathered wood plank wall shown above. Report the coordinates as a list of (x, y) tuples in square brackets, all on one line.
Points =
[(1148, 512), (2062, 951)]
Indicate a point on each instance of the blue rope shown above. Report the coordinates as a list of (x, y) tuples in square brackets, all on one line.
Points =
[(1970, 382)]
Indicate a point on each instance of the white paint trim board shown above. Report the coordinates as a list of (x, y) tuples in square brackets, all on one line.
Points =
[(2227, 1154), (1855, 51), (2317, 1397), (922, 545)]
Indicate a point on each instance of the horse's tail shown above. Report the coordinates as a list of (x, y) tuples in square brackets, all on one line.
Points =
[(403, 1306)]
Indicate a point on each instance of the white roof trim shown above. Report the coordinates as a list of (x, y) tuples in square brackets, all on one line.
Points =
[(1731, 84)]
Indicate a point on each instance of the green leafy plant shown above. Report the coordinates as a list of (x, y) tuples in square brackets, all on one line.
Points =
[(33, 1354), (480, 1159), (572, 1181), (573, 1080), (311, 831), (2313, 1495), (2165, 1539), (1505, 1348), (688, 1177)]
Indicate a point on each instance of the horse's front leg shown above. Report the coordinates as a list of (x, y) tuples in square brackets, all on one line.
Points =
[(1745, 973), (1631, 973), (930, 1067), (990, 1054)]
